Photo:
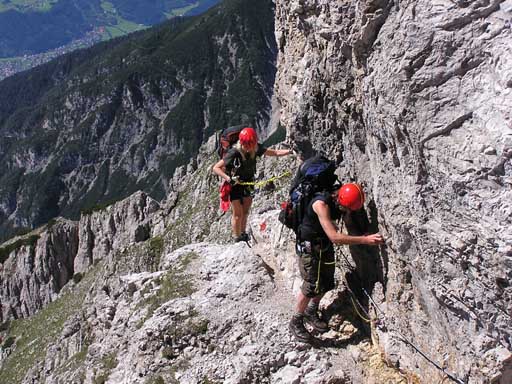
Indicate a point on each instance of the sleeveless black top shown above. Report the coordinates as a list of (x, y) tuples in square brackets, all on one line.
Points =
[(311, 229), (245, 169)]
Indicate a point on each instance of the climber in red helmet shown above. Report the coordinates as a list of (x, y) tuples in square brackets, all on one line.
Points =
[(239, 166), (316, 253)]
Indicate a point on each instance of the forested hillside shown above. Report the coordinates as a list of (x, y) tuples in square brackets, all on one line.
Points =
[(94, 126)]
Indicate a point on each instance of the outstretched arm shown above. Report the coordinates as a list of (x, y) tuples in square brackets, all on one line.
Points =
[(322, 210), (277, 152)]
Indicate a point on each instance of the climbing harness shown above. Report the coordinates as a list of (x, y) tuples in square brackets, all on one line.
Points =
[(258, 184), (317, 285), (405, 339)]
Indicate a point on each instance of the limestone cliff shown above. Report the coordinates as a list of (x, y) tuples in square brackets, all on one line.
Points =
[(35, 267), (413, 99)]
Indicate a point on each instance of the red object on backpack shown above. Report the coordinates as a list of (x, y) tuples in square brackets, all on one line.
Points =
[(225, 191)]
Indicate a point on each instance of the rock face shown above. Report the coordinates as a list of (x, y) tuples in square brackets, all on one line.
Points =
[(36, 269), (113, 228), (413, 99), (38, 265)]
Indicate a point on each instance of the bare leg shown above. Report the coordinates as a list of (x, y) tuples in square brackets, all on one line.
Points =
[(246, 209), (303, 301), (236, 217)]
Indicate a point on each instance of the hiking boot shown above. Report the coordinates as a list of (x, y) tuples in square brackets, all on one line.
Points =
[(243, 237), (311, 318), (298, 329)]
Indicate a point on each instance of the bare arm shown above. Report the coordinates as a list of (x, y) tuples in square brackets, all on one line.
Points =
[(322, 210), (220, 169), (277, 152)]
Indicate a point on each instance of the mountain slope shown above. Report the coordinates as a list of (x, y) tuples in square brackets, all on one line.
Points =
[(96, 125), (140, 306)]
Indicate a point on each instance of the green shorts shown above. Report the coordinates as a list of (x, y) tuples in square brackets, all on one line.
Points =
[(317, 267)]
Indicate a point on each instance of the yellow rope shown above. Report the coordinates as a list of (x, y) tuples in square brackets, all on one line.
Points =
[(317, 285), (357, 311), (263, 182)]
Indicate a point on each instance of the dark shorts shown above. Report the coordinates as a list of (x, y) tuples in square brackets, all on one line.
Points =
[(238, 192), (316, 281)]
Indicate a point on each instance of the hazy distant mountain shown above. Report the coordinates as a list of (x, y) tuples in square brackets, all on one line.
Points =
[(33, 31), (30, 26)]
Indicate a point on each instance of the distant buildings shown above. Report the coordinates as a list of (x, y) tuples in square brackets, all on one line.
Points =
[(9, 67)]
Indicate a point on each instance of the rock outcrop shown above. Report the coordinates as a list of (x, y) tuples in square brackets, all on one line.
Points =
[(36, 267), (413, 99), (105, 231)]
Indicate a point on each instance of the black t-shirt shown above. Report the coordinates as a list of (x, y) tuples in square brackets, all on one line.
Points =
[(237, 166), (311, 229)]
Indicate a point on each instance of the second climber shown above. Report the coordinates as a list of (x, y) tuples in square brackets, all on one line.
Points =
[(239, 167)]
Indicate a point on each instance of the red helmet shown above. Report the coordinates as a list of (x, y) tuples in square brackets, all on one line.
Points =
[(351, 196), (248, 137)]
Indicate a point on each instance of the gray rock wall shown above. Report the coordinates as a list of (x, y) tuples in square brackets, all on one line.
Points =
[(42, 262), (37, 269), (106, 231), (413, 99)]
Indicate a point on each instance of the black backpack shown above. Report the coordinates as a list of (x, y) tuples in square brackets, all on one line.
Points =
[(227, 138), (315, 175)]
